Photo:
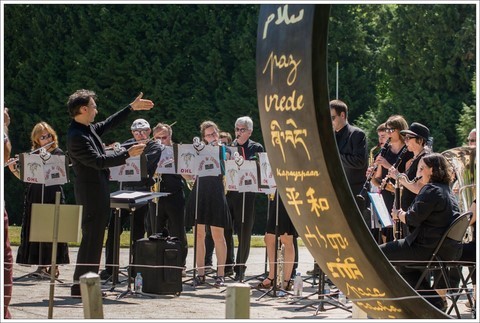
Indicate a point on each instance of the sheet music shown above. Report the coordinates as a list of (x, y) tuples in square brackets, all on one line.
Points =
[(131, 195), (381, 209)]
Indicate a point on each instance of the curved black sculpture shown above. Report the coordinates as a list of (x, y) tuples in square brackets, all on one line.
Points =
[(297, 129)]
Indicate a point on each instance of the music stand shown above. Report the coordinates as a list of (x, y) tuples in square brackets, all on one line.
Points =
[(324, 299), (129, 200), (55, 223)]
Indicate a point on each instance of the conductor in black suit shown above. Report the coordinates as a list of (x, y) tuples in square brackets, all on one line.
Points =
[(352, 146), (91, 174)]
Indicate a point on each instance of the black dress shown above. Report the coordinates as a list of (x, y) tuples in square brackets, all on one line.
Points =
[(39, 253), (285, 225), (212, 208)]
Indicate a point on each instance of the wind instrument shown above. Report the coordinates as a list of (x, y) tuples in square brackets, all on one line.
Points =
[(382, 152), (386, 180), (42, 151), (370, 155), (280, 265), (398, 231)]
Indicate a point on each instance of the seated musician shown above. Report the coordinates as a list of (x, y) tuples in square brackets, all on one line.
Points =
[(430, 215)]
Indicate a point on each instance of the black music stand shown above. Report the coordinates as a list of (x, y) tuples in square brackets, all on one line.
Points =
[(129, 200), (324, 299)]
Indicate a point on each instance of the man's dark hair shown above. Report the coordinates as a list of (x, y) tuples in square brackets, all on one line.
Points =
[(339, 107), (79, 99)]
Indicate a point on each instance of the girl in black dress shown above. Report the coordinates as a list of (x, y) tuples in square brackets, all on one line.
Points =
[(287, 234), (211, 210), (40, 253)]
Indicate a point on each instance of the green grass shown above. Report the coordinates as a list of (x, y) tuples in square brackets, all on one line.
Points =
[(256, 242)]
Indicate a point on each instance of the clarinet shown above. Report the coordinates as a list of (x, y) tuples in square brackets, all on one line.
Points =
[(398, 232), (382, 152), (386, 180)]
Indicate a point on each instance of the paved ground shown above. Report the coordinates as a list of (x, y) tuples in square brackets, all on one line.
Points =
[(31, 297)]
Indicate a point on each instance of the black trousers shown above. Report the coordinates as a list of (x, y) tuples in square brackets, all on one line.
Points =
[(243, 217), (169, 212), (138, 232)]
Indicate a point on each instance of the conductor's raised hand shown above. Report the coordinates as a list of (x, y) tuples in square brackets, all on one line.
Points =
[(136, 150), (141, 104)]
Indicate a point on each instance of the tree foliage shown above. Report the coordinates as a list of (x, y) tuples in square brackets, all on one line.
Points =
[(197, 62)]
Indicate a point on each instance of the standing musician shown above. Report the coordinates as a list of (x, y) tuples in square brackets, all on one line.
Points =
[(396, 155), (91, 165), (243, 131), (212, 210), (44, 141), (382, 144), (416, 138), (169, 211), (140, 129)]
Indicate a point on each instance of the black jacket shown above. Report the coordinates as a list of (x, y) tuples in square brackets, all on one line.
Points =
[(90, 165)]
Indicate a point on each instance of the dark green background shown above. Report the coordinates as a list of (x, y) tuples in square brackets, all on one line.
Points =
[(197, 62)]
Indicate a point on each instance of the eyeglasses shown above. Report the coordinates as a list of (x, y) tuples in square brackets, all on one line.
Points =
[(241, 130), (140, 132), (390, 130), (210, 135), (333, 117), (407, 137), (44, 137), (162, 138), (472, 140)]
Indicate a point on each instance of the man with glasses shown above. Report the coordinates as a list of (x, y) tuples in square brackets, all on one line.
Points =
[(141, 134), (169, 211), (352, 146), (239, 209)]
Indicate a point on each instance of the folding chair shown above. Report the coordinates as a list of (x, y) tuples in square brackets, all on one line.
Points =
[(456, 232)]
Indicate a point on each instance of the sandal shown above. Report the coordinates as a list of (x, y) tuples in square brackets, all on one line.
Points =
[(219, 281), (262, 285)]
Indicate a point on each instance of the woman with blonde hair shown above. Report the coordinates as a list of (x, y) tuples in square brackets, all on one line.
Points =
[(40, 253)]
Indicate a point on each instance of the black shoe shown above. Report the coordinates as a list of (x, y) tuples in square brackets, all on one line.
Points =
[(314, 272), (229, 271), (239, 277), (105, 274), (75, 290)]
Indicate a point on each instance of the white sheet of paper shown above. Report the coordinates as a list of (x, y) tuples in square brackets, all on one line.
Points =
[(381, 209), (130, 195)]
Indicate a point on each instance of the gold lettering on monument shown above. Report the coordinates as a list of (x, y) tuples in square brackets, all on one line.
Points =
[(309, 235), (297, 174), (293, 195), (317, 204), (280, 137), (280, 62), (347, 269), (337, 241), (282, 17), (361, 293), (379, 307)]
